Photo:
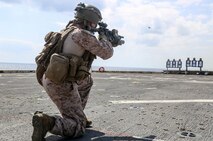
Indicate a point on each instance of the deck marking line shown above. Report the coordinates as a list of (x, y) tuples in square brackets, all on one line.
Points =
[(162, 101)]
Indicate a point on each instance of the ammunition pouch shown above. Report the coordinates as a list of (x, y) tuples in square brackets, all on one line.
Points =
[(57, 69), (66, 68), (83, 72), (74, 64)]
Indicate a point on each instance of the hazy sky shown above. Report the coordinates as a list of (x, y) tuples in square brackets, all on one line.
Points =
[(154, 30)]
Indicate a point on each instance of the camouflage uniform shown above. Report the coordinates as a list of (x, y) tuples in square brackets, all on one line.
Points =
[(71, 97)]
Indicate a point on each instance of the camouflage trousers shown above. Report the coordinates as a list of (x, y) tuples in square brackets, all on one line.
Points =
[(71, 99)]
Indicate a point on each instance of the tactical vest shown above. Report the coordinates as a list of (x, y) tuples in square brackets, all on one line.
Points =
[(60, 67)]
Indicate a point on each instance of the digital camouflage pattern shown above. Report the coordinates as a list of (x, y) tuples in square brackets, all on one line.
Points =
[(88, 41), (71, 97)]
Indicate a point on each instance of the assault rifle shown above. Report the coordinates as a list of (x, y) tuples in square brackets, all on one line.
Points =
[(112, 35)]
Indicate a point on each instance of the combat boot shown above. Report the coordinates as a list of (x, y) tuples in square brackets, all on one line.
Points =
[(42, 123)]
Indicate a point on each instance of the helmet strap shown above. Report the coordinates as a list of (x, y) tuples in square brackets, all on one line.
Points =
[(86, 25)]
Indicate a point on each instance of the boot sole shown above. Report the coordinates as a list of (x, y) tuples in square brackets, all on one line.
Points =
[(37, 129)]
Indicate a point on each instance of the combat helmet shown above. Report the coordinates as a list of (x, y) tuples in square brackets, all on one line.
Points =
[(88, 12)]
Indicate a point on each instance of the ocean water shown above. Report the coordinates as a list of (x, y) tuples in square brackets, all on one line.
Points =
[(17, 66), (27, 66)]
